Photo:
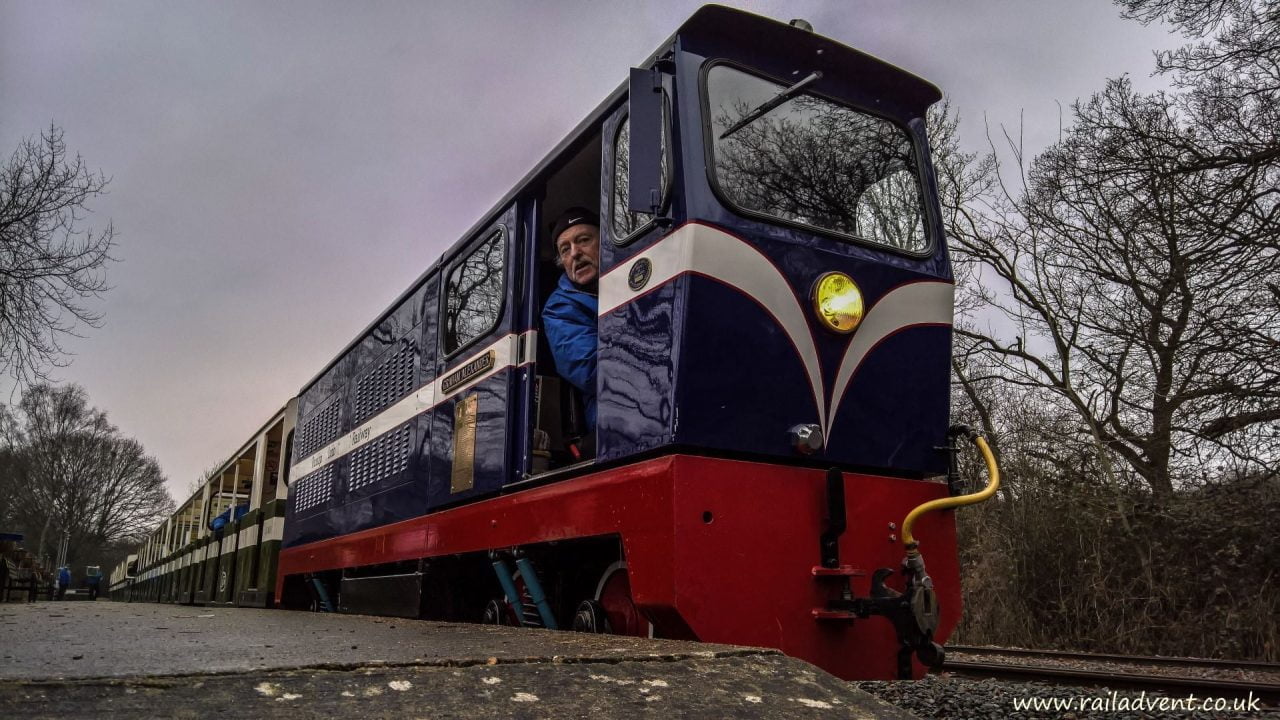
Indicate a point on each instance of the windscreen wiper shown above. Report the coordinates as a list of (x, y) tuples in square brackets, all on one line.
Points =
[(772, 103)]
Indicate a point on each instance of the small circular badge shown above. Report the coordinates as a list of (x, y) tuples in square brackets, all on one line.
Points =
[(639, 274)]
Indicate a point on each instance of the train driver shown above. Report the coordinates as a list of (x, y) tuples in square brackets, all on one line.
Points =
[(569, 317)]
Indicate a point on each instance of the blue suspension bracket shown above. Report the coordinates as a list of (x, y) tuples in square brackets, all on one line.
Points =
[(508, 585), (539, 598), (322, 595)]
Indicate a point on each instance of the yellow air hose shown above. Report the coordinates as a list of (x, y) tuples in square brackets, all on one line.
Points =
[(951, 502)]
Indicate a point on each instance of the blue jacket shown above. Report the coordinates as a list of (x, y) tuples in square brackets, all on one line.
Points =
[(569, 320)]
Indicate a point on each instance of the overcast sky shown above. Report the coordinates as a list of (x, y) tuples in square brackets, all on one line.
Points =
[(282, 171)]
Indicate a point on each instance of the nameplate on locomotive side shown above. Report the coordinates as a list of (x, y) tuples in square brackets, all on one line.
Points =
[(459, 377), (463, 476)]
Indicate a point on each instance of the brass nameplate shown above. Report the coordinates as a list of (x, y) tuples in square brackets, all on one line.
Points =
[(459, 377), (464, 444)]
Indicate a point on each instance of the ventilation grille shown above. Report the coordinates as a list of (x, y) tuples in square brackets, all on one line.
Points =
[(380, 459), (314, 490), (319, 430), (392, 380)]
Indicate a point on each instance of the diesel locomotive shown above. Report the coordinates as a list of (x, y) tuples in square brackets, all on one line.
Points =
[(774, 340)]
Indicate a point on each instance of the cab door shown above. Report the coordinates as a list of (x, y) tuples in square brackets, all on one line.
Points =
[(638, 174), (477, 356)]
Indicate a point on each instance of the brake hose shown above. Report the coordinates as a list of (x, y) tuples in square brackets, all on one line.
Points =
[(993, 484)]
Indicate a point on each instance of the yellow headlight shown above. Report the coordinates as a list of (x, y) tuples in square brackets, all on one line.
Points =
[(838, 302)]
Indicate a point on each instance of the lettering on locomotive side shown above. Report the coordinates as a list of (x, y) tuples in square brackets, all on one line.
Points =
[(359, 436), (460, 376)]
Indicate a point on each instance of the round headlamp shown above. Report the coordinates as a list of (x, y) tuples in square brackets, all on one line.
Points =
[(838, 302)]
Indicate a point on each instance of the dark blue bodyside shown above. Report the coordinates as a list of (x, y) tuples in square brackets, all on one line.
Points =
[(380, 488), (404, 472)]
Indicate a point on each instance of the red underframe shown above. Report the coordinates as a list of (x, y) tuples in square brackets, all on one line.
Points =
[(721, 549)]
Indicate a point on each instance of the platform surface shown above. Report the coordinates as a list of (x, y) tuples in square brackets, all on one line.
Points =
[(108, 659)]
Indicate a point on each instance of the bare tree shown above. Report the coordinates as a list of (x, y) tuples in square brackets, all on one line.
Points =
[(1135, 284), (49, 265), (1117, 337), (8, 471), (70, 471), (1231, 82), (1136, 275)]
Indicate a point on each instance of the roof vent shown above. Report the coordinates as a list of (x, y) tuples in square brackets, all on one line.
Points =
[(802, 24)]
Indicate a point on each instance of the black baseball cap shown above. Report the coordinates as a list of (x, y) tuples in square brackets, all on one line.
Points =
[(573, 216)]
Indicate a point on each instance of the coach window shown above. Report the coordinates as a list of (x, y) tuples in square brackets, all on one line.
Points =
[(813, 162), (474, 293), (627, 225)]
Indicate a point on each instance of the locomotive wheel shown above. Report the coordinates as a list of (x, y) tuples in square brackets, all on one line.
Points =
[(498, 612), (614, 595), (591, 618)]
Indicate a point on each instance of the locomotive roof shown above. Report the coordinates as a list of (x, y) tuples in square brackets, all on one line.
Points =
[(708, 22)]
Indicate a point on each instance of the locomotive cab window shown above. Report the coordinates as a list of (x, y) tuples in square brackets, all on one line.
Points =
[(810, 161), (474, 293), (627, 225)]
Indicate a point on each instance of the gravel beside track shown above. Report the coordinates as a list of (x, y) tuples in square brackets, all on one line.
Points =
[(949, 696)]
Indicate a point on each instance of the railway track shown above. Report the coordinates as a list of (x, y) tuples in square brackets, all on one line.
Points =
[(1127, 659), (1116, 671)]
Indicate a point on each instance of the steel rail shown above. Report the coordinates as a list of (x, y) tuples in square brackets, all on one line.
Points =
[(1266, 692), (1104, 657)]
